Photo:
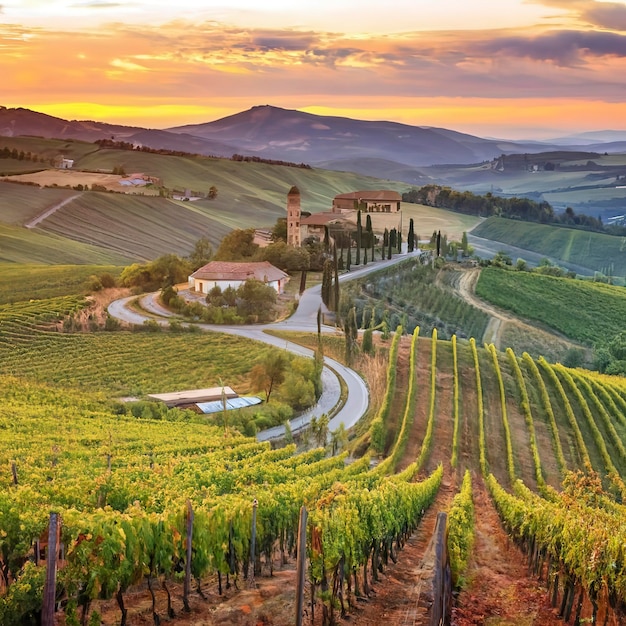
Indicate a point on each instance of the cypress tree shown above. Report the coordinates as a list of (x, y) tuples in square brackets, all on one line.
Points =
[(327, 278), (336, 283), (411, 237), (358, 237)]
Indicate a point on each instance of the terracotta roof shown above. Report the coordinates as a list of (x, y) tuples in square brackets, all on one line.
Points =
[(375, 195), (226, 270), (321, 219), (294, 191)]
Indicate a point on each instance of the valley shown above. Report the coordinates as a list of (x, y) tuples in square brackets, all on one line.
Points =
[(472, 369)]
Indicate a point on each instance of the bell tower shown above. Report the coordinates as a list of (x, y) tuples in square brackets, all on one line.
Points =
[(294, 237)]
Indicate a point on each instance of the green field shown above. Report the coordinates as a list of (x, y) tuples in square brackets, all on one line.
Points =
[(23, 246), (583, 311), (21, 203), (25, 282), (589, 185), (100, 227), (596, 251)]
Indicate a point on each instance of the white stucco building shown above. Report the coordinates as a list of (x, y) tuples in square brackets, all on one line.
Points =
[(229, 274)]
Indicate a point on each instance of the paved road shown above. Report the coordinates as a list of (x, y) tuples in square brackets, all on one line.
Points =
[(304, 319)]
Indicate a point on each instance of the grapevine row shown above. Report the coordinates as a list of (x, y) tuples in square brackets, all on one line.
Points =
[(378, 425), (400, 444), (528, 416), (461, 530), (547, 407), (505, 421), (430, 425)]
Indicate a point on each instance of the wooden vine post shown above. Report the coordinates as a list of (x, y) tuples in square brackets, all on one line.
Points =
[(187, 583), (301, 565), (50, 587), (255, 504)]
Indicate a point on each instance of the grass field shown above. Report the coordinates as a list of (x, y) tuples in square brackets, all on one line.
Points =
[(25, 282), (134, 226), (20, 203), (427, 219), (589, 188), (19, 245), (596, 251), (583, 311), (49, 148)]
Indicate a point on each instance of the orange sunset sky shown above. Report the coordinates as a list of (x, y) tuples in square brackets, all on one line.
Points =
[(499, 68)]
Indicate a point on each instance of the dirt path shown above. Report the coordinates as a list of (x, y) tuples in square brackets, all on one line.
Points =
[(48, 212), (395, 596), (467, 290), (500, 321), (499, 591)]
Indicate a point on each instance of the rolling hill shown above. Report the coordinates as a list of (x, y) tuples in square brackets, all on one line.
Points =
[(117, 228)]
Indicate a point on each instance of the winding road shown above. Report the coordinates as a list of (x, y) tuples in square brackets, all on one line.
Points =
[(304, 319)]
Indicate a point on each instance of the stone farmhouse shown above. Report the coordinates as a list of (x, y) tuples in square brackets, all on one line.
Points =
[(229, 274), (383, 206)]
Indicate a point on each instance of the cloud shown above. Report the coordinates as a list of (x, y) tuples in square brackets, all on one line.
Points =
[(606, 15), (565, 48), (609, 15), (98, 4)]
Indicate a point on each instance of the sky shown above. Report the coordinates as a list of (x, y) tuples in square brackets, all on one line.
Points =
[(519, 69)]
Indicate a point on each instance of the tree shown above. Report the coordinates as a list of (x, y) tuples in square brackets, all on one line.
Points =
[(438, 240), (255, 298), (358, 237), (279, 232), (327, 280), (338, 438), (351, 333), (237, 245), (321, 430), (168, 269), (212, 192), (464, 244), (336, 280), (411, 237), (286, 257), (202, 253), (367, 344), (269, 373)]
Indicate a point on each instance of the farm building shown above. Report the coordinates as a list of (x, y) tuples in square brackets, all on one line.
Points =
[(313, 225), (62, 163), (225, 274), (192, 396), (372, 201)]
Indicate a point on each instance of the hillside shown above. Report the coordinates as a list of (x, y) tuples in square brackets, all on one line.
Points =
[(596, 251), (20, 122), (131, 224), (585, 176), (488, 411)]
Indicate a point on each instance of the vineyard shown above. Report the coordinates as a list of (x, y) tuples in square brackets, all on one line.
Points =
[(600, 308), (175, 508)]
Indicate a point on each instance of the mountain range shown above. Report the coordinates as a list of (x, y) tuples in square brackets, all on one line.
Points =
[(388, 149)]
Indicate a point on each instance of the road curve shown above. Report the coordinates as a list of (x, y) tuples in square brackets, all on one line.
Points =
[(304, 319)]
